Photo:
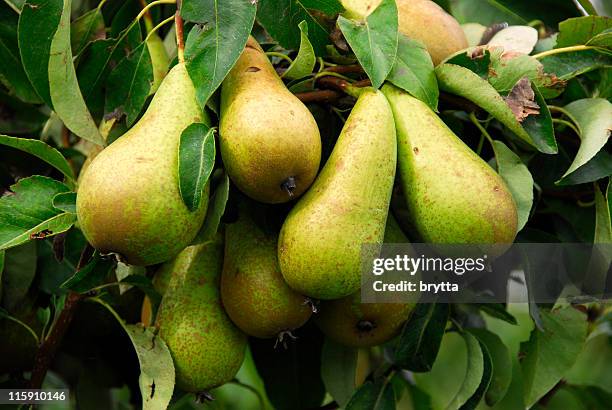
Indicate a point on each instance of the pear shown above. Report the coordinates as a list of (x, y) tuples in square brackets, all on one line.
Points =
[(421, 20), (270, 142), (255, 295), (427, 22), (207, 348), (128, 200), (452, 195), (159, 60), (352, 323), (320, 241)]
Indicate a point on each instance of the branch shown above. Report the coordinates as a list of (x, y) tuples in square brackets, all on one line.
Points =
[(324, 96), (329, 96), (345, 69), (48, 348)]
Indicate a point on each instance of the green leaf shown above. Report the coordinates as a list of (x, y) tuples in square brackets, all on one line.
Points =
[(374, 41), (540, 126), (413, 71), (12, 74), (196, 162), (489, 12), (40, 150), (216, 208), (129, 84), (498, 311), (600, 166), (373, 396), (19, 272), (91, 275), (65, 201), (156, 379), (501, 364), (39, 20), (474, 375), (549, 354), (594, 119), (603, 39), (571, 64), (463, 82), (517, 178), (305, 60), (421, 336), (603, 220), (85, 29), (28, 213), (281, 20), (578, 31), (66, 96), (213, 46), (338, 367), (16, 5)]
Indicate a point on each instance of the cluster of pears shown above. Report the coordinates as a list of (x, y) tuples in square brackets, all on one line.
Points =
[(251, 280)]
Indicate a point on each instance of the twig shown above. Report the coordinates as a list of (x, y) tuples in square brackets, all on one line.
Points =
[(345, 69), (324, 96), (180, 41), (48, 348)]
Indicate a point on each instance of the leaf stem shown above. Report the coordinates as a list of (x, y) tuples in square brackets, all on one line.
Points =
[(279, 55), (102, 2), (147, 17), (567, 123), (28, 328), (482, 129), (562, 50), (157, 27)]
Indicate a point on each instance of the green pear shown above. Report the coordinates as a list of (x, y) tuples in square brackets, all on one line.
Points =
[(452, 195), (207, 348), (421, 20), (159, 60), (270, 142), (255, 295), (352, 323), (320, 242), (128, 200)]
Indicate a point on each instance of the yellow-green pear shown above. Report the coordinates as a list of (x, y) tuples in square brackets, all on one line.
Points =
[(320, 242), (421, 20), (255, 295), (128, 200), (159, 60), (270, 142), (356, 324), (452, 195), (206, 347)]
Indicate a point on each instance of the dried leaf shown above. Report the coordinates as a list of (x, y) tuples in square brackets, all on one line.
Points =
[(521, 100)]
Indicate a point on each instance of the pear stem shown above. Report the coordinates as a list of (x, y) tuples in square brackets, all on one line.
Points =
[(147, 17), (180, 42), (279, 55)]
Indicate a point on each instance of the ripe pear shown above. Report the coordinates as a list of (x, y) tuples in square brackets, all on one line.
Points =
[(128, 200), (207, 348), (321, 239), (452, 195), (427, 22), (352, 323), (421, 20), (254, 293), (270, 142)]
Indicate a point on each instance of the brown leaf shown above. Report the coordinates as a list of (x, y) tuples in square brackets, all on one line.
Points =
[(521, 100)]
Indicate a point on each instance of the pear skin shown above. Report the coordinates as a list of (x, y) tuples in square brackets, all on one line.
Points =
[(207, 348), (255, 295), (352, 323), (270, 142), (452, 195), (321, 239), (427, 22), (421, 20), (128, 201), (159, 60)]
